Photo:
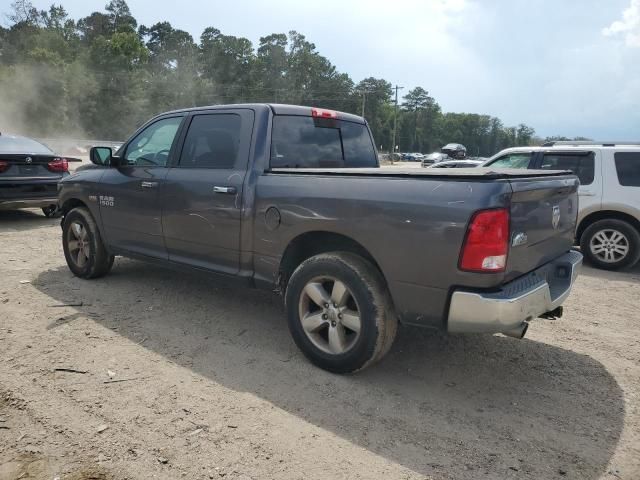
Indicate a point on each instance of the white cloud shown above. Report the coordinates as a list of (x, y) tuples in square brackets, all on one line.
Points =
[(629, 25)]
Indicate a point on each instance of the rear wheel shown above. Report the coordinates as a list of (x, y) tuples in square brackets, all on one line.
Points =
[(84, 251), (611, 244), (339, 312)]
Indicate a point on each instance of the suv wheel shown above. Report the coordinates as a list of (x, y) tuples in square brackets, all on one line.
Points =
[(84, 251), (339, 312), (51, 211), (611, 244)]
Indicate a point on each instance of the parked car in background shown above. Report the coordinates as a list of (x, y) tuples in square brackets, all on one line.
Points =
[(455, 150), (413, 157), (457, 164), (435, 157), (292, 199), (29, 174), (608, 229)]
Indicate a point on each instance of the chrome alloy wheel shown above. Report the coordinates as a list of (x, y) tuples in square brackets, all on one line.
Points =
[(330, 320), (609, 245), (78, 244)]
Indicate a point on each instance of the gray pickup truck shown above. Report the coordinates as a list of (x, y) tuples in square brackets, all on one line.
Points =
[(293, 199)]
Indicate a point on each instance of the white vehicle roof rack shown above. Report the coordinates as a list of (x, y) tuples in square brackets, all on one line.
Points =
[(578, 143)]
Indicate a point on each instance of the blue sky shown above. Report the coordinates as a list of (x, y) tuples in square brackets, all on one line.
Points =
[(567, 67)]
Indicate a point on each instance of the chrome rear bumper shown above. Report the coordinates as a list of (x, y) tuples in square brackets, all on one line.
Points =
[(517, 302)]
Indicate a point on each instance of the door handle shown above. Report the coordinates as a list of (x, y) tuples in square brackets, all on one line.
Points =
[(586, 194), (149, 184), (230, 190)]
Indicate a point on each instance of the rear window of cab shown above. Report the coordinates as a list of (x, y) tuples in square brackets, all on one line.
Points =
[(308, 142)]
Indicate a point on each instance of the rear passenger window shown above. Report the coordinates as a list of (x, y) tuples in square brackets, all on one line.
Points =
[(307, 142), (212, 141), (628, 168), (581, 164)]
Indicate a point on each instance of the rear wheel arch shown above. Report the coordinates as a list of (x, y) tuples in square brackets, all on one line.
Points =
[(309, 244), (605, 215)]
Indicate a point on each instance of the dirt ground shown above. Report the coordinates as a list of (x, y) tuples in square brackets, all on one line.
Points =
[(151, 373)]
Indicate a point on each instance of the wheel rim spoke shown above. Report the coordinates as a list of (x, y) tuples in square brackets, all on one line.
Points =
[(73, 245), (337, 339), (313, 322), (82, 258), (339, 294), (601, 237), (317, 294), (76, 229), (351, 320)]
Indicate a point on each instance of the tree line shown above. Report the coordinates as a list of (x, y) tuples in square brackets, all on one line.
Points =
[(103, 75)]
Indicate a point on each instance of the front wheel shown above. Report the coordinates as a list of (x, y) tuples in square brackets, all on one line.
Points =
[(340, 312), (84, 251), (611, 244)]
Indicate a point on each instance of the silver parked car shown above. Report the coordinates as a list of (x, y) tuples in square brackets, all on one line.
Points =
[(433, 158)]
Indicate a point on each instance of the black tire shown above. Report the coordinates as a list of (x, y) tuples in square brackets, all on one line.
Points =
[(51, 211), (590, 239), (378, 322), (97, 261)]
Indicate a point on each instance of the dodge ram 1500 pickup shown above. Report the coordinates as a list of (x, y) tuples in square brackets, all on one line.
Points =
[(293, 199)]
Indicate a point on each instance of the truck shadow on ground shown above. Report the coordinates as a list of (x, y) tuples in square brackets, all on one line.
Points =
[(627, 275), (451, 407), (22, 220)]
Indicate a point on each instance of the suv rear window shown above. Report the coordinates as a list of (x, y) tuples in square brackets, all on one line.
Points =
[(628, 168), (581, 164), (307, 142)]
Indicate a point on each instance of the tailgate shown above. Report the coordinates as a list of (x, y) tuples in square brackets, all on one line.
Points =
[(543, 221)]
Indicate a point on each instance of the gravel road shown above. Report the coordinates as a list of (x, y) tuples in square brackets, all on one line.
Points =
[(150, 373)]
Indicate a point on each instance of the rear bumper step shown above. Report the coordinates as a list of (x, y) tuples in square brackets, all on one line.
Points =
[(508, 311)]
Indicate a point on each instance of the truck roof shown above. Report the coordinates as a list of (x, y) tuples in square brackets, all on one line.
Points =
[(276, 108)]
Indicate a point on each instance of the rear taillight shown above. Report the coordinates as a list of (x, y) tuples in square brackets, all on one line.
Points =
[(58, 165), (3, 166), (323, 113), (487, 243)]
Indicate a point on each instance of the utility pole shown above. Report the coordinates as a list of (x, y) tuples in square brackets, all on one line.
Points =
[(395, 123), (364, 92)]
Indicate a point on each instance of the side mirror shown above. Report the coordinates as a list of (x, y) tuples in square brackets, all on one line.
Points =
[(104, 157), (101, 156)]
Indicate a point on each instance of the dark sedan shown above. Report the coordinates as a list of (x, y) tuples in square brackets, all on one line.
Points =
[(455, 150), (29, 174)]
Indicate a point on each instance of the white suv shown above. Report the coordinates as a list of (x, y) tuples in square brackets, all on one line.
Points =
[(608, 229)]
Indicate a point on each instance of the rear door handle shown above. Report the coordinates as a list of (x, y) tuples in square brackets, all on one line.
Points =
[(230, 190), (149, 184)]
